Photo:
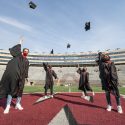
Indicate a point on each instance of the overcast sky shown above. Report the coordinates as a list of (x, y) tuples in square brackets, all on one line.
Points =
[(54, 23)]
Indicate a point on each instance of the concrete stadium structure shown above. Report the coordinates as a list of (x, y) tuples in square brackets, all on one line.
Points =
[(65, 65)]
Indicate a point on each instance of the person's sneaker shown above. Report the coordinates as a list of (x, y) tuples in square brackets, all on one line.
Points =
[(119, 108), (51, 96), (6, 111), (18, 106), (109, 108), (93, 93), (87, 98), (45, 96), (82, 96)]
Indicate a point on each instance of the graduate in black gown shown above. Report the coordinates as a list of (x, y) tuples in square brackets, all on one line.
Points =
[(109, 80), (84, 82), (49, 79), (87, 85), (13, 79)]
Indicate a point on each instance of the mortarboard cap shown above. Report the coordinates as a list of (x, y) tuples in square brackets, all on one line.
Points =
[(52, 52), (32, 5), (68, 45), (87, 26)]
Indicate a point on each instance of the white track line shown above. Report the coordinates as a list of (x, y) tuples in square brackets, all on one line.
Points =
[(123, 96), (57, 92)]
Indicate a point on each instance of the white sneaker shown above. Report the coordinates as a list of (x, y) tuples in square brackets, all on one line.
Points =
[(51, 96), (6, 111), (93, 93), (119, 108), (18, 106), (82, 96), (87, 98), (45, 96), (109, 108)]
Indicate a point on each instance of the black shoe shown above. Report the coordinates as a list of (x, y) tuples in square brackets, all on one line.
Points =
[(91, 99)]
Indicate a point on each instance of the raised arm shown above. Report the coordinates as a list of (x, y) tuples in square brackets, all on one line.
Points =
[(45, 66), (79, 70), (21, 40), (16, 50)]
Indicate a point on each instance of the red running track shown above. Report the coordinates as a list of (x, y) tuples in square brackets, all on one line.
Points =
[(85, 113)]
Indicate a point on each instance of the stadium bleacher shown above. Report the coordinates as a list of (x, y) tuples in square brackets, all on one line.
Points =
[(65, 65)]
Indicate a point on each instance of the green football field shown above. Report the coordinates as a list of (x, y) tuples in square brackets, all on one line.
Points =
[(38, 88)]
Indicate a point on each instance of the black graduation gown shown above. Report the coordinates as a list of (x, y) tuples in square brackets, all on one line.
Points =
[(84, 80), (81, 86), (49, 77), (87, 85), (13, 79), (108, 76)]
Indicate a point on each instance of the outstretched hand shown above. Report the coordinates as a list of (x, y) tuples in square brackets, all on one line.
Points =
[(21, 40), (78, 65)]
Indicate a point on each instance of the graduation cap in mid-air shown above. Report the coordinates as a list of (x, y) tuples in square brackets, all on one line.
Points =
[(68, 45), (87, 26), (32, 5), (52, 52)]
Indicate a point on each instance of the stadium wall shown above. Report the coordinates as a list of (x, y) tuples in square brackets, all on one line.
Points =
[(67, 75)]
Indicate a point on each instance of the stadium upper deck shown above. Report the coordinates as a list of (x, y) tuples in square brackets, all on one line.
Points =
[(118, 56)]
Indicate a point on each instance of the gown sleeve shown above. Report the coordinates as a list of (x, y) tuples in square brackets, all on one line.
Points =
[(114, 76), (27, 69), (45, 66)]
